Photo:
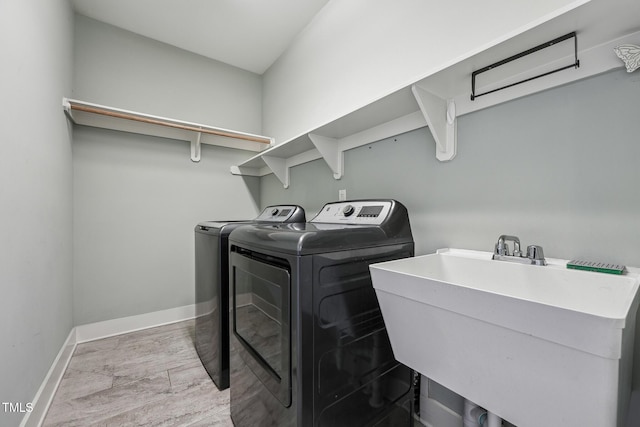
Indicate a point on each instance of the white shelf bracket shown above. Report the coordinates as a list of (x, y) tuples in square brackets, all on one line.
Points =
[(243, 171), (66, 105), (331, 152), (441, 119), (195, 147), (279, 168)]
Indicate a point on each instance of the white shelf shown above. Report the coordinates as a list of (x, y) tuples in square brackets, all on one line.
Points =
[(388, 117), (95, 115), (600, 25)]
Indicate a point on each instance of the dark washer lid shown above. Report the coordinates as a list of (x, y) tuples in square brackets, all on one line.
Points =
[(334, 231), (270, 214), (220, 227)]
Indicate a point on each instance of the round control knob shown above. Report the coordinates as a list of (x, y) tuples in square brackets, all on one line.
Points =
[(274, 212), (348, 210)]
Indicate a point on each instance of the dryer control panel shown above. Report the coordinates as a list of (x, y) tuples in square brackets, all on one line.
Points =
[(363, 212), (282, 213)]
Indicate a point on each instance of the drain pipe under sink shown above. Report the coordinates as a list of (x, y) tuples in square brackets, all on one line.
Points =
[(472, 414), (475, 416), (493, 420)]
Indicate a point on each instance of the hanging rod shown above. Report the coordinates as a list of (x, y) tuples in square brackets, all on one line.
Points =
[(73, 105), (576, 64)]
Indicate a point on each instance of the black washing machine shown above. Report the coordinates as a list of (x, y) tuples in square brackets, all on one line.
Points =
[(308, 342), (212, 287)]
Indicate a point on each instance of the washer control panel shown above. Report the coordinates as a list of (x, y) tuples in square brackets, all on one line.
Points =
[(282, 213), (354, 212)]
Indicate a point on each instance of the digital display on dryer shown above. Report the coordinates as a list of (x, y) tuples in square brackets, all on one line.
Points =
[(370, 211)]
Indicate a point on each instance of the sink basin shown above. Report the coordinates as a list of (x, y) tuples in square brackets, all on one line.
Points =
[(537, 345)]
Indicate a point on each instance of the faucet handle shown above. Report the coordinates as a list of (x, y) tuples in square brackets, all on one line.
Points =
[(501, 248), (535, 253)]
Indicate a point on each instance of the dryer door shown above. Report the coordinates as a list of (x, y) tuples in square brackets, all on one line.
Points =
[(260, 287)]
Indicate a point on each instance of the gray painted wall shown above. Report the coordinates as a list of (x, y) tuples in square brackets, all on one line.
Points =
[(121, 69), (136, 202), (138, 198), (558, 169), (35, 195)]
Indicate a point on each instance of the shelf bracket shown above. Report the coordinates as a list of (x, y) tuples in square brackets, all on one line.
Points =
[(279, 168), (330, 151), (243, 171), (441, 120), (195, 147)]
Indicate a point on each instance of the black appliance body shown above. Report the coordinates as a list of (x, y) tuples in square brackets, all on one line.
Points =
[(308, 342), (212, 287)]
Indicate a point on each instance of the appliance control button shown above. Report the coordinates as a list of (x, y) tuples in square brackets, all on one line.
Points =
[(348, 210)]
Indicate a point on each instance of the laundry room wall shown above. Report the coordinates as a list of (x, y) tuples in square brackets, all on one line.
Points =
[(558, 169), (137, 198), (35, 197)]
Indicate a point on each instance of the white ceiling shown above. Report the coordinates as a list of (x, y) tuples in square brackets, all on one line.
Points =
[(249, 34)]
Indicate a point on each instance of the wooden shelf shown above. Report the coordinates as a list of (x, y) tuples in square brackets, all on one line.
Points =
[(88, 114), (438, 99)]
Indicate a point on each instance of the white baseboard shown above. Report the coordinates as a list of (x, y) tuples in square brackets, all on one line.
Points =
[(91, 332), (47, 390), (123, 325)]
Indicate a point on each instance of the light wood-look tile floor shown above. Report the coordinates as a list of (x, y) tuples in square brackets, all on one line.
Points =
[(146, 378)]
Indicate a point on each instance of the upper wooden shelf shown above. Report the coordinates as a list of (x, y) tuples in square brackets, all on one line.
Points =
[(88, 114)]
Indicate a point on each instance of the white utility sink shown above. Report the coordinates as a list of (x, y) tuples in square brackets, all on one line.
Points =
[(536, 345)]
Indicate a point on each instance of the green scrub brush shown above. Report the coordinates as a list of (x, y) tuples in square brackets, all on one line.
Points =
[(601, 267)]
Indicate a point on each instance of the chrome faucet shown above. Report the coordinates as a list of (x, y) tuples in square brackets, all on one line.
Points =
[(535, 254)]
